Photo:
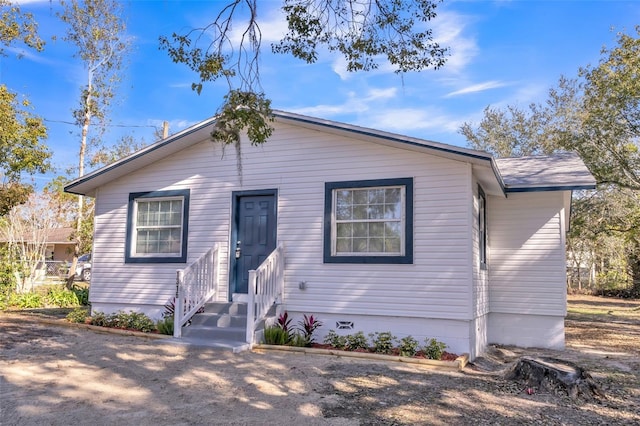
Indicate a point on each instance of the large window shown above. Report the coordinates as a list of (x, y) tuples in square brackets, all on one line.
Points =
[(482, 228), (157, 227), (369, 221)]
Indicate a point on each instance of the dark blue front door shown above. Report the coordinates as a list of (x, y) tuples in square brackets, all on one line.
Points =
[(255, 235)]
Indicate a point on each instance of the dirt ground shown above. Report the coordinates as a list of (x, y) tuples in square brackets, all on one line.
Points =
[(65, 376)]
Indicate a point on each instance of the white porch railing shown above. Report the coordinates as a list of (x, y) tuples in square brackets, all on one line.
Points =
[(195, 284), (266, 287)]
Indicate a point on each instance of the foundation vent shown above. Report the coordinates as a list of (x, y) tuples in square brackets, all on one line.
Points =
[(344, 325)]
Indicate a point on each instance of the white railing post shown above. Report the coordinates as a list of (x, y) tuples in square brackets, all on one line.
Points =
[(251, 293), (177, 307), (266, 288)]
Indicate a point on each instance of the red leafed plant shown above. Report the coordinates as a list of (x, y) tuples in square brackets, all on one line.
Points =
[(308, 326)]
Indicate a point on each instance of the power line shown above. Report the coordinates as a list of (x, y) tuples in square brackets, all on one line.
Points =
[(106, 125)]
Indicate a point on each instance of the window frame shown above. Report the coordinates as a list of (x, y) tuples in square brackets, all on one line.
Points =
[(482, 230), (130, 255), (406, 256)]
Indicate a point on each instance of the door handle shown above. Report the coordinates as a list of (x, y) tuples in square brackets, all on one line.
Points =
[(238, 250)]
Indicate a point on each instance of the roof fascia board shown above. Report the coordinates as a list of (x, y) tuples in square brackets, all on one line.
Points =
[(151, 148), (384, 135), (576, 187)]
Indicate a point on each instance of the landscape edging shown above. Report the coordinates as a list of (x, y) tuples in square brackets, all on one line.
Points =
[(458, 364), (101, 329)]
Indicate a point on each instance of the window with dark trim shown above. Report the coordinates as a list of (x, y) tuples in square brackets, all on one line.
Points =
[(157, 227), (369, 221), (482, 228)]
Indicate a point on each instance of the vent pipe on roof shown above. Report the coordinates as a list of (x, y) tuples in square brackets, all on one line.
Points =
[(165, 129)]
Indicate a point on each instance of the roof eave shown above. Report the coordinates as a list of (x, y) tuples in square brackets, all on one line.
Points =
[(547, 188)]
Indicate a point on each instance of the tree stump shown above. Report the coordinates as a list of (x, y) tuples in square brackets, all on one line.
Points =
[(553, 374)]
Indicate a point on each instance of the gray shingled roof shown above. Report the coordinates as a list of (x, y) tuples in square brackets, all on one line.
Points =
[(559, 171)]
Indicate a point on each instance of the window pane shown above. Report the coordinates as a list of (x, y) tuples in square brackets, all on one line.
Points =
[(376, 245), (392, 196), (343, 245), (376, 229), (359, 245), (369, 220), (158, 226), (344, 230), (359, 212), (360, 230), (376, 196), (376, 211), (392, 229), (392, 245), (360, 196)]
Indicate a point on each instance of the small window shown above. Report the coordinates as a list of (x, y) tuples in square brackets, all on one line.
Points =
[(157, 227), (369, 221), (482, 228)]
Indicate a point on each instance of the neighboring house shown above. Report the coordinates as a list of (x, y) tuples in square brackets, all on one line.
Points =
[(381, 232), (59, 244), (58, 250)]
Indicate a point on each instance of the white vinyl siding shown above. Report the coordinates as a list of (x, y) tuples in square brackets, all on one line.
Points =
[(298, 162), (527, 267)]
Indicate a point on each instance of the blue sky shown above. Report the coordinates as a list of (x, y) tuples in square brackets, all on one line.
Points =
[(502, 53)]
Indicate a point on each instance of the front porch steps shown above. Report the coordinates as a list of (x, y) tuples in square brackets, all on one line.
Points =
[(221, 325)]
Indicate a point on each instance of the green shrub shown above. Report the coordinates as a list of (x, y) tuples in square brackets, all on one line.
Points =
[(82, 293), (408, 346), (383, 343), (61, 297), (78, 315), (334, 339), (433, 349), (356, 341), (99, 318), (275, 335), (131, 320), (29, 300), (165, 326), (297, 339)]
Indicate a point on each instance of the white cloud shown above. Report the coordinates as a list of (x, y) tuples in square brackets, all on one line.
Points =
[(272, 25), (449, 31), (475, 88), (404, 120), (355, 103)]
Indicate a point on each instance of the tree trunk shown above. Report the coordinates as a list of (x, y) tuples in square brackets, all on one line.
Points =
[(553, 375), (634, 267)]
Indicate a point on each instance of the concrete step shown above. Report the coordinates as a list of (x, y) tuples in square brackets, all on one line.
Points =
[(215, 333), (218, 320), (231, 308), (228, 345)]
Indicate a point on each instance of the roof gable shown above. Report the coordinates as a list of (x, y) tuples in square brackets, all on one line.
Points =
[(488, 170)]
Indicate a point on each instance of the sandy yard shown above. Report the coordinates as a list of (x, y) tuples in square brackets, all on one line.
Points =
[(56, 375)]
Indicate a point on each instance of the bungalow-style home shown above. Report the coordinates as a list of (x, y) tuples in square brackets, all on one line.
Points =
[(60, 245), (373, 231)]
